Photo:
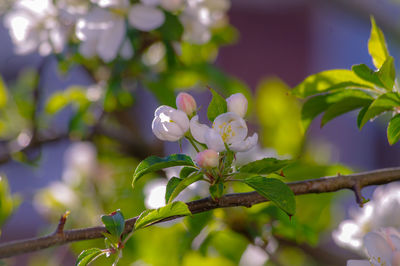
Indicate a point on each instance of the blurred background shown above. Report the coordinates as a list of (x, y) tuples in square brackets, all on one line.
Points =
[(87, 168)]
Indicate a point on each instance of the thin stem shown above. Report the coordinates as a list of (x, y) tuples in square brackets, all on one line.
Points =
[(193, 144)]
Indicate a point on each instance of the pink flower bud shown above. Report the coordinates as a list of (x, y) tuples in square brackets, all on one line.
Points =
[(186, 103), (207, 159), (237, 104)]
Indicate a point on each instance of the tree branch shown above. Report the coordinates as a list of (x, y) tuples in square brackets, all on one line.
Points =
[(320, 185)]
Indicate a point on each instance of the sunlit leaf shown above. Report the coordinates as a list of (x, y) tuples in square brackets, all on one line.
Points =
[(344, 106), (88, 256), (320, 103), (364, 72), (393, 130), (377, 45), (264, 166), (154, 163), (177, 185), (384, 102), (330, 80), (217, 105), (274, 190), (387, 73), (148, 217), (114, 223)]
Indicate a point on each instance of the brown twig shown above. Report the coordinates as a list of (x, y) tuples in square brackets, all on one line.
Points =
[(320, 185)]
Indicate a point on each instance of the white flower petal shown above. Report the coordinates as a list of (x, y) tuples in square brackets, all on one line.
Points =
[(145, 18), (245, 145), (111, 39), (198, 130), (126, 50), (377, 247), (358, 263), (150, 2), (181, 119), (214, 140)]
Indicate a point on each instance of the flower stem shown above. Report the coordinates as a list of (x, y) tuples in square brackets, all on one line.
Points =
[(193, 144)]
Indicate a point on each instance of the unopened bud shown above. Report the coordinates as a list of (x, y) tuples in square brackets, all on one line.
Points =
[(186, 103), (207, 159), (237, 104)]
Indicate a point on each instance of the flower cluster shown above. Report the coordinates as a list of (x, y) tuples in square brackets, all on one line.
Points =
[(228, 130), (101, 26), (383, 248), (381, 211)]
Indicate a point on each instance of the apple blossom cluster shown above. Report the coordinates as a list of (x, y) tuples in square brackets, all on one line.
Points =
[(228, 131), (383, 248), (101, 26), (380, 212)]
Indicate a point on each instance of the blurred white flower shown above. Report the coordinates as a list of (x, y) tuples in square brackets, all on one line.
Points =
[(145, 18), (102, 33), (254, 256), (172, 5), (383, 248), (33, 25), (80, 161), (169, 124), (382, 211), (228, 128), (55, 195), (155, 193), (199, 17)]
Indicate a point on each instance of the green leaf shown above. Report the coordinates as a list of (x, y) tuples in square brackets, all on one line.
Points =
[(177, 185), (154, 163), (377, 45), (217, 190), (329, 80), (217, 106), (387, 73), (115, 223), (364, 72), (172, 28), (320, 103), (274, 190), (264, 166), (384, 102), (186, 171), (88, 256), (74, 95), (3, 94), (393, 130), (361, 115), (148, 217), (171, 186), (346, 105)]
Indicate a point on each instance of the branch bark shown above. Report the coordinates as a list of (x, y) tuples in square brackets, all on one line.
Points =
[(320, 185)]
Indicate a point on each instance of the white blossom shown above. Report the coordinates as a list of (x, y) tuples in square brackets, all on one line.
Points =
[(198, 17), (80, 161), (33, 25), (227, 128), (145, 18), (381, 211), (169, 124), (101, 33), (237, 104), (383, 248)]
